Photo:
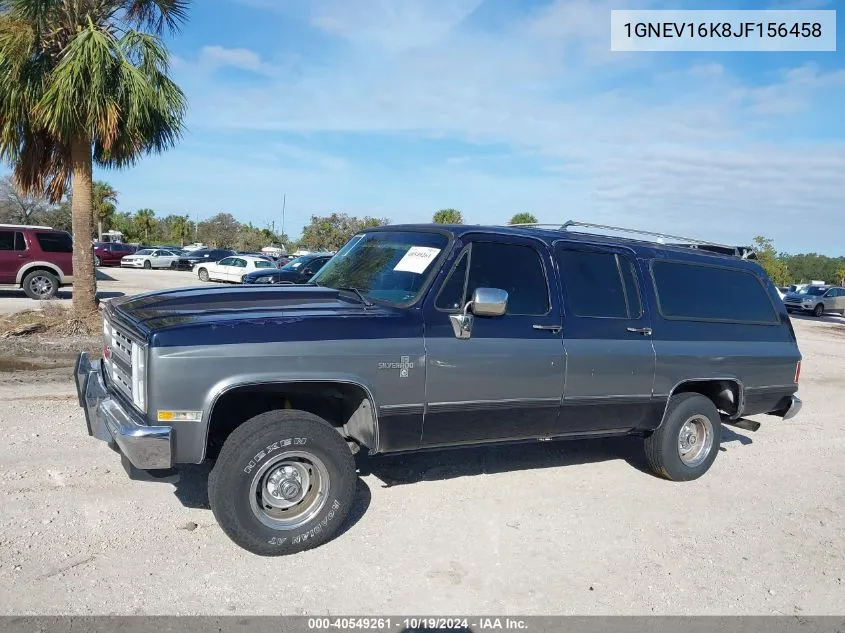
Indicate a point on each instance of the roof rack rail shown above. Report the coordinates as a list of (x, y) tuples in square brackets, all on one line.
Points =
[(744, 252)]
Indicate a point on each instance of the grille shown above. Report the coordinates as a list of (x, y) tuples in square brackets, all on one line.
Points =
[(119, 363)]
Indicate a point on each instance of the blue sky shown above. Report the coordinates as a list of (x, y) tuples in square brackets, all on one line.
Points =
[(396, 108)]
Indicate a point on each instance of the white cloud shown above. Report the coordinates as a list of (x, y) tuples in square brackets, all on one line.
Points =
[(214, 57)]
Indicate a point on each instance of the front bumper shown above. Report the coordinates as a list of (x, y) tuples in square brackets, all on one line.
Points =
[(146, 447)]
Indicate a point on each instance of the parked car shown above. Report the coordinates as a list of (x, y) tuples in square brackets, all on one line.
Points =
[(232, 269), (203, 255), (817, 300), (151, 258), (37, 259), (429, 336), (111, 253), (298, 271)]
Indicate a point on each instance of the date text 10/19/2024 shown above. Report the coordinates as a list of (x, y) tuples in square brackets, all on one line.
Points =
[(413, 623)]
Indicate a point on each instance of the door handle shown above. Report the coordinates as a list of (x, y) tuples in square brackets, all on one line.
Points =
[(554, 329), (645, 331)]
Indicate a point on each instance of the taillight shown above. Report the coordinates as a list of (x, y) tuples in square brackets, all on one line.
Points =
[(797, 372)]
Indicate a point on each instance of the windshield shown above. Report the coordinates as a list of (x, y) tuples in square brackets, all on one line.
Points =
[(146, 251), (389, 265), (814, 291), (296, 263)]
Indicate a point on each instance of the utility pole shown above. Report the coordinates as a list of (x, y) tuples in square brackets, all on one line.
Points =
[(284, 203)]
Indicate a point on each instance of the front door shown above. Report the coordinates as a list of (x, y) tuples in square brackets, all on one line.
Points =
[(505, 381), (610, 359), (13, 255)]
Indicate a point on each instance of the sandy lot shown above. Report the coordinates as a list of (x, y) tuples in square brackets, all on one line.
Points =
[(537, 529), (111, 282)]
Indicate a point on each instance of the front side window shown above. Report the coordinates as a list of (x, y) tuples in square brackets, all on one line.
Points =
[(55, 242), (239, 263), (518, 270), (599, 284), (392, 266), (229, 261)]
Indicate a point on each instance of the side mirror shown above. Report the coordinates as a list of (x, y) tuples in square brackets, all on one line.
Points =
[(485, 302), (489, 302)]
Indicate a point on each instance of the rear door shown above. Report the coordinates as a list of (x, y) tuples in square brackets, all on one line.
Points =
[(610, 359), (13, 255)]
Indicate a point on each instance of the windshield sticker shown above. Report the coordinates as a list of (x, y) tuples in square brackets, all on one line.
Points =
[(417, 259)]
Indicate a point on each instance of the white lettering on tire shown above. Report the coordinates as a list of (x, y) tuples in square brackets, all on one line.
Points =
[(302, 538), (297, 441)]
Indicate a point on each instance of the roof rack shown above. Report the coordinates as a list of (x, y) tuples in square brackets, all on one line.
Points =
[(744, 252)]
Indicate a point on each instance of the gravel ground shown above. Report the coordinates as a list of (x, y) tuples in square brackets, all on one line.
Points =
[(111, 282), (551, 528)]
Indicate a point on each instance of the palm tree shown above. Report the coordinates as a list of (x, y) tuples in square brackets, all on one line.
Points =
[(523, 218), (448, 216), (181, 228), (105, 204), (146, 219), (84, 81)]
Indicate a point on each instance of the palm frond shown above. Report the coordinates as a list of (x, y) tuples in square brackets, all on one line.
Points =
[(158, 15)]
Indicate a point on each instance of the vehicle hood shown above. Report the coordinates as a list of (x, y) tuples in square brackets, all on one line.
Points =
[(234, 314), (798, 296)]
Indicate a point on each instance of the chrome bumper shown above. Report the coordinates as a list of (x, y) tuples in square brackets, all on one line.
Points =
[(146, 447), (794, 407)]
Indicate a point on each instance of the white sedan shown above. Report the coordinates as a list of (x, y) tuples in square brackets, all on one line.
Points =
[(231, 268), (150, 258)]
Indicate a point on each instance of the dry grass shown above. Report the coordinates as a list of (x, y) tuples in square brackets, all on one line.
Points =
[(52, 318)]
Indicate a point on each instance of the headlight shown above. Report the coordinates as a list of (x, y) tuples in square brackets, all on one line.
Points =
[(139, 376), (264, 280)]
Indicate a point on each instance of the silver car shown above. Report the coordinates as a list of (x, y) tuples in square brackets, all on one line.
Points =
[(817, 300)]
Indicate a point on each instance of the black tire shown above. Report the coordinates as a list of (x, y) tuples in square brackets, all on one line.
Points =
[(202, 273), (663, 447), (172, 265), (148, 264), (818, 311), (247, 462), (789, 310), (40, 285), (97, 261)]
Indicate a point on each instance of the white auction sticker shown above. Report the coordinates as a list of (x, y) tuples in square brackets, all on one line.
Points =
[(417, 259)]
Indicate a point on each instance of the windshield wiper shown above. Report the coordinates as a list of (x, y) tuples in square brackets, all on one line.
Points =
[(359, 294)]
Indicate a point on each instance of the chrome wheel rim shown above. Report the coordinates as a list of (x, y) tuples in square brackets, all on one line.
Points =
[(695, 440), (96, 261), (41, 286), (290, 490)]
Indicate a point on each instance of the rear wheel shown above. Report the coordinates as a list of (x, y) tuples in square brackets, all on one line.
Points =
[(40, 284), (818, 310), (686, 444), (284, 482), (203, 274)]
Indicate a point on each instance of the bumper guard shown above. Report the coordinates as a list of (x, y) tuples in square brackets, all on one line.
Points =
[(146, 447)]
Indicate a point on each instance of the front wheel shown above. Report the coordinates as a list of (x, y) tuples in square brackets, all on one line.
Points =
[(284, 482), (97, 261), (686, 444), (818, 310), (203, 274), (148, 264)]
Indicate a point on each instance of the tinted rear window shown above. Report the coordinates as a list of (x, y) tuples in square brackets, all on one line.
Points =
[(55, 242), (695, 291)]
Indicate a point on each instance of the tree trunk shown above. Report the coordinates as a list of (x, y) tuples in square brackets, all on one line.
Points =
[(84, 280), (99, 230)]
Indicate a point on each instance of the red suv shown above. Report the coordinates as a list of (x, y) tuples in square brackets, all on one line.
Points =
[(110, 253), (38, 259)]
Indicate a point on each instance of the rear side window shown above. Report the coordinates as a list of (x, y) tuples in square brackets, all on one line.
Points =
[(599, 285), (12, 241), (55, 242), (711, 293)]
